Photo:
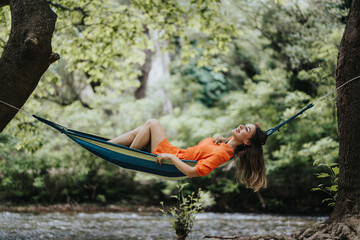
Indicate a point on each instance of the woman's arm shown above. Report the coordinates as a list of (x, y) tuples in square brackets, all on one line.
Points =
[(183, 167)]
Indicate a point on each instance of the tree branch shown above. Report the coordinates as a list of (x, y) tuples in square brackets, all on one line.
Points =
[(27, 54)]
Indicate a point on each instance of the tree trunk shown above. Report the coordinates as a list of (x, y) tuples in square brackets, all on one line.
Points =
[(348, 106), (344, 222), (27, 55), (145, 70)]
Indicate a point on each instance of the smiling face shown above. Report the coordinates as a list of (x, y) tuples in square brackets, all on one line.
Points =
[(243, 133)]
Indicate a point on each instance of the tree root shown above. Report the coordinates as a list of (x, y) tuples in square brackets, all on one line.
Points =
[(339, 229), (347, 228), (255, 237)]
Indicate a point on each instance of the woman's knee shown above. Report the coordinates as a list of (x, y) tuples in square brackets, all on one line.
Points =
[(152, 123), (136, 131)]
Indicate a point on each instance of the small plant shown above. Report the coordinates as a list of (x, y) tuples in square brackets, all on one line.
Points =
[(333, 172), (183, 214), (324, 154)]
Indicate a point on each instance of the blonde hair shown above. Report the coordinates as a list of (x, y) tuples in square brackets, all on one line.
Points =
[(250, 163)]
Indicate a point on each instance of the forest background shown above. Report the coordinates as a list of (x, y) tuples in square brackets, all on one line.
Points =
[(201, 68)]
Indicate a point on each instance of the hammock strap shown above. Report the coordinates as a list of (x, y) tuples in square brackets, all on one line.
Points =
[(19, 109), (272, 130), (58, 127)]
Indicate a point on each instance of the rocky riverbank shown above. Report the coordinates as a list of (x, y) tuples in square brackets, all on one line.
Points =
[(86, 208)]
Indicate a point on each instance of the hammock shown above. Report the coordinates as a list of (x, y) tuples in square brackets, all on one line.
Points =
[(122, 156)]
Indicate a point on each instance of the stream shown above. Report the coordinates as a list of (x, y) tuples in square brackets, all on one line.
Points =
[(147, 226)]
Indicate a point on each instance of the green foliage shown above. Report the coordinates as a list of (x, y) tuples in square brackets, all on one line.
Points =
[(330, 188), (324, 154), (230, 62), (106, 39), (204, 84), (4, 26), (183, 214), (21, 175)]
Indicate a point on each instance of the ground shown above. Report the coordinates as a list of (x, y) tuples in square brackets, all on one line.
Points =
[(88, 208), (346, 228)]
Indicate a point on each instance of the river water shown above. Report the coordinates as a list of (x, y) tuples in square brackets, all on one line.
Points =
[(147, 226)]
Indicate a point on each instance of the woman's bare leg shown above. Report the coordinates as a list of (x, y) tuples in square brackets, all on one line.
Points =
[(152, 132), (127, 138)]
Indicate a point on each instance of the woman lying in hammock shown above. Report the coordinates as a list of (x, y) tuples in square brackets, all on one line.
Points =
[(245, 144)]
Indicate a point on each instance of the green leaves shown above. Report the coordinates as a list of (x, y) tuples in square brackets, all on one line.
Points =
[(331, 188), (106, 40), (183, 214), (323, 175), (4, 26), (39, 182), (230, 62)]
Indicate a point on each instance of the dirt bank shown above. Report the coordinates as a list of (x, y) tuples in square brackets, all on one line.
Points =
[(87, 208)]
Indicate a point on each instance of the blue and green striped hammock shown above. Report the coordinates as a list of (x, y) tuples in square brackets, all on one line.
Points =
[(122, 156), (134, 159)]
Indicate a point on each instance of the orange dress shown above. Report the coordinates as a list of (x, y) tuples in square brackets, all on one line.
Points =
[(207, 154)]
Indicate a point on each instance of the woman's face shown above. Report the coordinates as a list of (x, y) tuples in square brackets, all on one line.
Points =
[(243, 133)]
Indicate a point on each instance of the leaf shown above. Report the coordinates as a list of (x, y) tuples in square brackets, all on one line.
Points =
[(174, 196), (323, 175), (325, 75), (316, 162), (327, 199), (334, 188), (335, 170)]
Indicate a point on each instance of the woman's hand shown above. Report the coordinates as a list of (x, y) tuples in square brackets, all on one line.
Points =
[(183, 167), (162, 156)]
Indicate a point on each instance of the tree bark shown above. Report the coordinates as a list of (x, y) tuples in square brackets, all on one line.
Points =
[(140, 92), (27, 55), (348, 107), (145, 70)]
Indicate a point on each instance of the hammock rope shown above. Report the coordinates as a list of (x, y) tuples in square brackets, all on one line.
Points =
[(274, 129), (19, 109), (138, 160)]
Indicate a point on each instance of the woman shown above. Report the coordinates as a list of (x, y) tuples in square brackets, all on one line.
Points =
[(245, 144)]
